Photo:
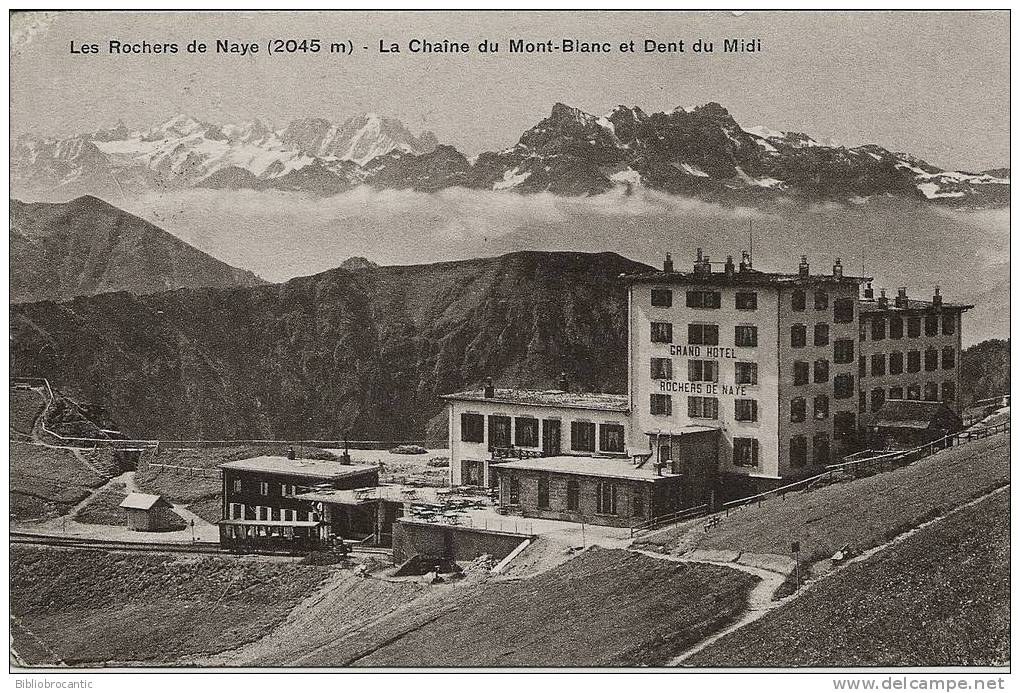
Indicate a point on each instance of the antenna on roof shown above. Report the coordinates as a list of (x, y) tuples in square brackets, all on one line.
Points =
[(750, 238)]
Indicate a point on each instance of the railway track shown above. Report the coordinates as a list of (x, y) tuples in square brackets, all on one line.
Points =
[(155, 547)]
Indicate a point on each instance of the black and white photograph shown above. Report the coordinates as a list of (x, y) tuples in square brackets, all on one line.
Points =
[(453, 341)]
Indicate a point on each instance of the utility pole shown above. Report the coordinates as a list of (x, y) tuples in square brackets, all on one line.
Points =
[(795, 548)]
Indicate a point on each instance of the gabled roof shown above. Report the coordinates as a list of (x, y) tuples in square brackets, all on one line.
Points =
[(597, 401), (141, 501), (908, 413)]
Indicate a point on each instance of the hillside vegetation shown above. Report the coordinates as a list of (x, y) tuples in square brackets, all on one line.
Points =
[(939, 598), (984, 370), (362, 353), (47, 482)]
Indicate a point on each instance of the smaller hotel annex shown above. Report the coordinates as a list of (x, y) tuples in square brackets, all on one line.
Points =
[(738, 379)]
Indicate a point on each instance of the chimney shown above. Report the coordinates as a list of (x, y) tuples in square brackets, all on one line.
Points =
[(869, 293), (803, 269), (745, 260), (729, 266), (901, 297), (702, 265), (564, 384), (837, 269), (489, 391), (883, 302), (936, 299), (667, 264)]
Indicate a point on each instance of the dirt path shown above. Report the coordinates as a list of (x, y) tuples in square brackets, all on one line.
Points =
[(760, 601)]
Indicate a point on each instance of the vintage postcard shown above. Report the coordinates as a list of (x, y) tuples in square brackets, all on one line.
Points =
[(523, 340)]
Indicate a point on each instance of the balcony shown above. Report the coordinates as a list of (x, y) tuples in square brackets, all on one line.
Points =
[(513, 453)]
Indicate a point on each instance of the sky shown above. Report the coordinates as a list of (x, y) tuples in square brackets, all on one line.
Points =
[(935, 84)]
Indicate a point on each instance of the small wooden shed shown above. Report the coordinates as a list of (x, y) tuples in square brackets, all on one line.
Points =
[(910, 423), (147, 512)]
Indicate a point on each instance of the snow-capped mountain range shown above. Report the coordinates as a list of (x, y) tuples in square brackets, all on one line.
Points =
[(698, 151)]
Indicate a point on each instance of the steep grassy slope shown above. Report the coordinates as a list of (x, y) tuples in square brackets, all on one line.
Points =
[(360, 353), (939, 598), (87, 246)]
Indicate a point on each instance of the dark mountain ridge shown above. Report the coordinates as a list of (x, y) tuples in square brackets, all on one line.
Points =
[(363, 353), (87, 246)]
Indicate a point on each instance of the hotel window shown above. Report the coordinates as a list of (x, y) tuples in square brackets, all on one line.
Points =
[(573, 494), (236, 511), (821, 407), (662, 298), (606, 498), (264, 488), (821, 371), (844, 425), (843, 310), (913, 361), (662, 369), (931, 325), (514, 490), (862, 400), (700, 333), (877, 398), (662, 405), (948, 358), (702, 407), (704, 299), (499, 431), (914, 391), (931, 359), (275, 515), (637, 502), (948, 392), (662, 332), (862, 365), (798, 451), (896, 363), (895, 393), (821, 300), (798, 300), (798, 409), (843, 386), (237, 486), (699, 371), (931, 392), (611, 437), (862, 332), (745, 373), (895, 327), (543, 491), (820, 445), (948, 324), (913, 327), (745, 409), (472, 428), (263, 512), (877, 329), (798, 336), (801, 372), (843, 351), (822, 334), (877, 364), (745, 452), (745, 336), (582, 435), (526, 432), (747, 300)]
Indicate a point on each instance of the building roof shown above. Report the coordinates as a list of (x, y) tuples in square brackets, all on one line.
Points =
[(749, 277), (315, 469), (396, 493), (913, 305), (596, 401), (141, 501), (609, 467), (908, 413)]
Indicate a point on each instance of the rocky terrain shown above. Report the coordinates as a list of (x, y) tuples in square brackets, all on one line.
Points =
[(701, 152), (87, 246)]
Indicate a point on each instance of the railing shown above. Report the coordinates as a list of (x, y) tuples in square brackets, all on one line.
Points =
[(513, 453), (671, 518)]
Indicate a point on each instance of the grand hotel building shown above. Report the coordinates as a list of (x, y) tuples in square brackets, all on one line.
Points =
[(738, 380)]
